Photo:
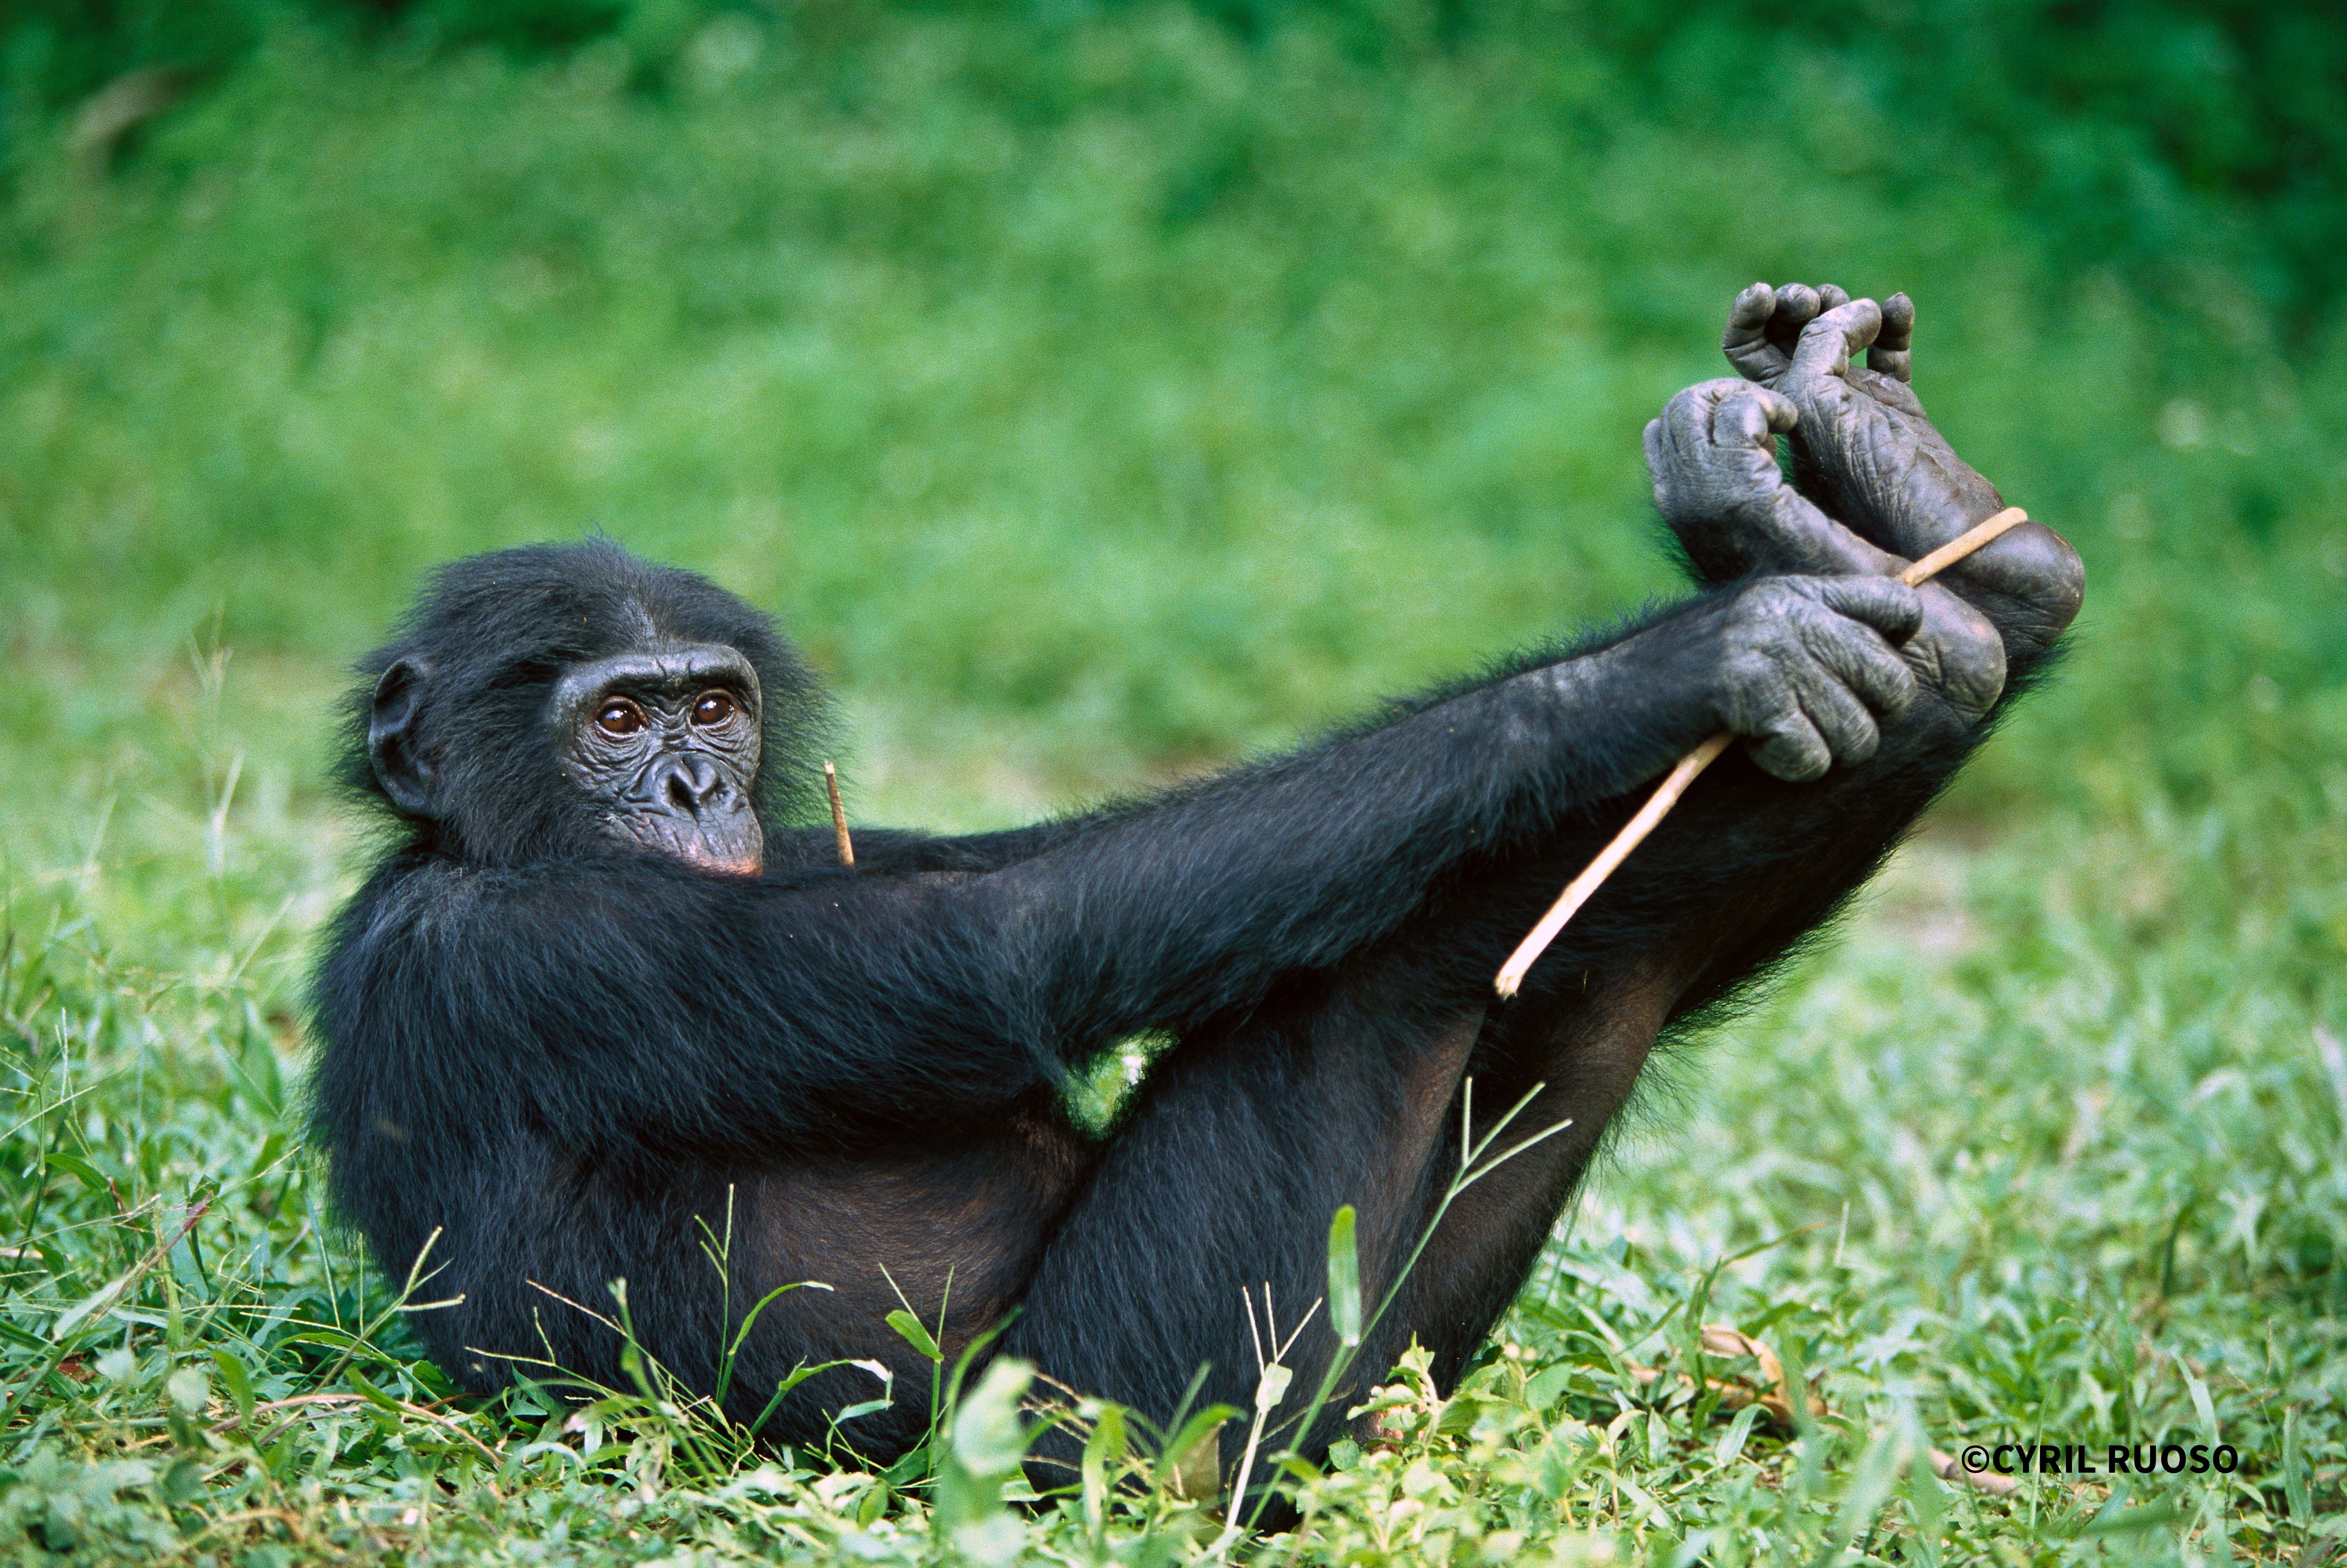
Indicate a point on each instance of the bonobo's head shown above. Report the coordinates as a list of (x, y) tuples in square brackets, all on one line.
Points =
[(569, 699)]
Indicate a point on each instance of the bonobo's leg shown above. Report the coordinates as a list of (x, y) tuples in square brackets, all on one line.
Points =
[(1341, 1089), (1861, 440), (1222, 1179), (1345, 1087)]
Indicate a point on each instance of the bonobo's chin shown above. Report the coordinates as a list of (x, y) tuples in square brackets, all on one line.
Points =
[(735, 849), (743, 863)]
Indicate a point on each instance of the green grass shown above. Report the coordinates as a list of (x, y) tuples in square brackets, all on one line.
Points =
[(1099, 399)]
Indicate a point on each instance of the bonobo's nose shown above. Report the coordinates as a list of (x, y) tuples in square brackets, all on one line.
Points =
[(688, 784), (697, 809)]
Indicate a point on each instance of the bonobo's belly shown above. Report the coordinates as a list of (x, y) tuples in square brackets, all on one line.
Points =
[(955, 1233)]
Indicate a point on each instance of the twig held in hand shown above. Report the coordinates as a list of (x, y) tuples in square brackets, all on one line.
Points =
[(1577, 892), (838, 815)]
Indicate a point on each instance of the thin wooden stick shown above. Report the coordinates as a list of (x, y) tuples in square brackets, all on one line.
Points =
[(838, 815), (1963, 545), (1667, 795)]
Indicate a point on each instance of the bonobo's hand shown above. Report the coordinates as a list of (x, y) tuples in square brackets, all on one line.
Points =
[(1802, 666), (1713, 459), (1864, 450)]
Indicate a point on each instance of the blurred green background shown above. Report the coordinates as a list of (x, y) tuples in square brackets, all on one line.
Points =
[(1126, 385), (1105, 390)]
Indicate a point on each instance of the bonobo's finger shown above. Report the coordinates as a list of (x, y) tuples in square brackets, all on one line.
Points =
[(1869, 671), (1832, 296), (1885, 603), (1889, 355), (1828, 342), (1797, 307), (1791, 749), (1746, 340), (1840, 719), (1747, 416)]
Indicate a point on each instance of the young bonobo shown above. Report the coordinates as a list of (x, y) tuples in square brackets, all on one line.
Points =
[(603, 994)]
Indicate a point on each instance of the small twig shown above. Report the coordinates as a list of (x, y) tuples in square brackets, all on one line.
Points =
[(1774, 1392), (1577, 892), (838, 815)]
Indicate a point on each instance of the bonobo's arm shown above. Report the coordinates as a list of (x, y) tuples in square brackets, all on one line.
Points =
[(645, 1001)]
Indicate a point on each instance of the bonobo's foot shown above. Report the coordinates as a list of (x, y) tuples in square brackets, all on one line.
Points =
[(1713, 459), (1864, 450)]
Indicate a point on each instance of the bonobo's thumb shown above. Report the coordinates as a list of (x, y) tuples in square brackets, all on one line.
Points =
[(1750, 416), (1828, 342)]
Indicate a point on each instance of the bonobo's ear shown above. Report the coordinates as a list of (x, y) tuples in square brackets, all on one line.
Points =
[(407, 775)]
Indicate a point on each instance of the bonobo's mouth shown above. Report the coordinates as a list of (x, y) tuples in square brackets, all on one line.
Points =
[(733, 862), (727, 841)]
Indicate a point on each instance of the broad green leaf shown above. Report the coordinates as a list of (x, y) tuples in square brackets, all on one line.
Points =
[(909, 1327), (1344, 1279), (1103, 1448), (372, 1395), (1731, 1442), (989, 1438), (239, 1382), (78, 1168)]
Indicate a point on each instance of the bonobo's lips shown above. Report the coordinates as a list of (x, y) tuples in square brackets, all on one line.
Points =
[(727, 841)]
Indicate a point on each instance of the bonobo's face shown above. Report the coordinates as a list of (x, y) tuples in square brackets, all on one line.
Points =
[(665, 741)]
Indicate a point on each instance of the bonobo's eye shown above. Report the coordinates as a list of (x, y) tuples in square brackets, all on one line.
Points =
[(714, 708), (618, 716)]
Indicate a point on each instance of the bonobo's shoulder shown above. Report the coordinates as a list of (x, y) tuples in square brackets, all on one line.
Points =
[(808, 858), (433, 897), (447, 906), (405, 897)]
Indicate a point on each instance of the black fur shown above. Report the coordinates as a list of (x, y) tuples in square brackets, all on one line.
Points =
[(561, 1055)]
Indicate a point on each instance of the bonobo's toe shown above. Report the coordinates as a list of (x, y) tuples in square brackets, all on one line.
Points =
[(1745, 340), (1828, 342), (1891, 352), (1797, 307)]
